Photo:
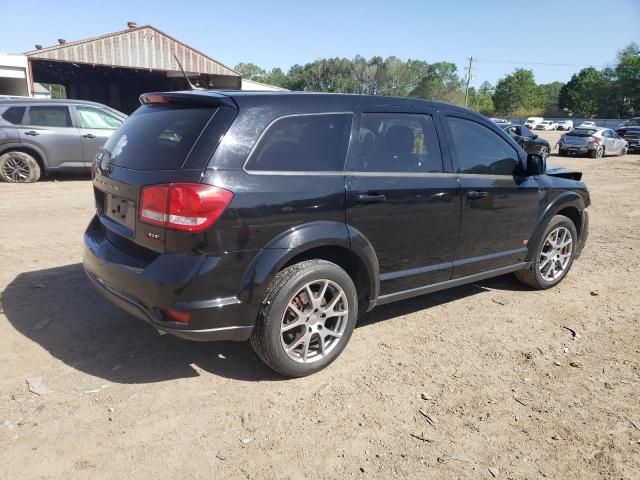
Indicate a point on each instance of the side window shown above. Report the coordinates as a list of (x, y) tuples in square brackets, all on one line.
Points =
[(303, 143), (91, 117), (14, 115), (606, 134), (480, 150), (398, 142), (49, 116), (526, 132)]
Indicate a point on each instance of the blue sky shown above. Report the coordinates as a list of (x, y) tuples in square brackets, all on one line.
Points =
[(282, 33)]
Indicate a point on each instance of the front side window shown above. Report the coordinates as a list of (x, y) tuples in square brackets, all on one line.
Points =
[(479, 150), (91, 117), (398, 142), (13, 115), (49, 116), (303, 143)]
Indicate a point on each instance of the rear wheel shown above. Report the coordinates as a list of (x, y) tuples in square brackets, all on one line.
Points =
[(306, 319), (554, 255), (19, 167)]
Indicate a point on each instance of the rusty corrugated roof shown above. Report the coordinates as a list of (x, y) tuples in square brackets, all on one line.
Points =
[(140, 47)]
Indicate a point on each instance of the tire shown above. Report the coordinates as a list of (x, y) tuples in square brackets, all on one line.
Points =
[(308, 329), (623, 152), (544, 152), (538, 275), (597, 153), (562, 153), (19, 167)]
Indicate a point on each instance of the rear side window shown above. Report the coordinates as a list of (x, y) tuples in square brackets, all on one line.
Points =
[(157, 137), (309, 143), (49, 116), (398, 142), (480, 150), (14, 115)]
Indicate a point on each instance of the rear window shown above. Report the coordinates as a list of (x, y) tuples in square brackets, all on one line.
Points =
[(157, 137), (49, 116), (309, 143), (14, 115), (582, 132)]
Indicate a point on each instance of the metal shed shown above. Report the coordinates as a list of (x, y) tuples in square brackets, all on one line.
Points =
[(116, 68)]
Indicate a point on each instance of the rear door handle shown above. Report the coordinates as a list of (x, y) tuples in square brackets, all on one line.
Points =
[(370, 198), (475, 194), (32, 133), (88, 135)]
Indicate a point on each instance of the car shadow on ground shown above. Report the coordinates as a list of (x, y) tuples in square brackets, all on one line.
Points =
[(58, 309)]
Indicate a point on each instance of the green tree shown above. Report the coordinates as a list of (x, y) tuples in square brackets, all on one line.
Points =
[(440, 82), (550, 93), (585, 93), (481, 100), (517, 92), (250, 71), (627, 73)]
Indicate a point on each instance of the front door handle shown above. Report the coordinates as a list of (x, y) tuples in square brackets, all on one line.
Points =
[(88, 135), (475, 194), (370, 198), (31, 133)]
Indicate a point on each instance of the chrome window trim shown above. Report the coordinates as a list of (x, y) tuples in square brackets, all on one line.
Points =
[(289, 172)]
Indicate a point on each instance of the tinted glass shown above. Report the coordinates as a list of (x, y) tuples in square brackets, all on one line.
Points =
[(14, 114), (398, 142), (582, 132), (157, 137), (91, 117), (480, 150), (50, 116), (311, 143)]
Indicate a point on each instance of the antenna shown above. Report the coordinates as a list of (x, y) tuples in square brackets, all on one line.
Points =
[(191, 85)]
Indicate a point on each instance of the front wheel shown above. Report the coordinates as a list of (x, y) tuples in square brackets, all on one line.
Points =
[(554, 255), (306, 319), (544, 152)]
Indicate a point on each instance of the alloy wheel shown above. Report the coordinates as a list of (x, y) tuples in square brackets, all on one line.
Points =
[(555, 254), (17, 169), (314, 321)]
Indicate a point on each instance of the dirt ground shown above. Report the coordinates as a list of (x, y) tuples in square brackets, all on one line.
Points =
[(482, 381)]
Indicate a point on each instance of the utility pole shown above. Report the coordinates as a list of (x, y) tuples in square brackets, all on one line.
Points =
[(466, 92)]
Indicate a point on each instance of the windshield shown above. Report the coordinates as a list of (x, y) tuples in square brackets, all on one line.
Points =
[(582, 132)]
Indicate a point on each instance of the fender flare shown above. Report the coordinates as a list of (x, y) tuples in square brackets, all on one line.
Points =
[(297, 240), (562, 201), (25, 146)]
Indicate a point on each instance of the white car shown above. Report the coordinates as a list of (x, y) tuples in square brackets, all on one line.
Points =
[(587, 125), (531, 122), (546, 125), (564, 124)]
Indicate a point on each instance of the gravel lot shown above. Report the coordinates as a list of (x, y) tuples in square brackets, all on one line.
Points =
[(481, 381)]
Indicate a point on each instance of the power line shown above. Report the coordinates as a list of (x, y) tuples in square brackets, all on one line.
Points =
[(513, 62)]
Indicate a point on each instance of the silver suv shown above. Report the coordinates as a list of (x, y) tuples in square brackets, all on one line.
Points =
[(39, 136)]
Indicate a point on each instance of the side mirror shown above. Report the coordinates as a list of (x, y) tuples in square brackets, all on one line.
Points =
[(536, 164)]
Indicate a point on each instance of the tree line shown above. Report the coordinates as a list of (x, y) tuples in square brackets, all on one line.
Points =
[(610, 92)]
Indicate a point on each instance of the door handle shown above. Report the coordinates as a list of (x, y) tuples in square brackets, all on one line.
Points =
[(31, 133), (370, 198), (88, 135), (475, 194)]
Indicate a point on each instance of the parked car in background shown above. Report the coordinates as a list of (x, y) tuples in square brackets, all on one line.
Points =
[(631, 133), (546, 125), (500, 121), (595, 142), (531, 122), (41, 135), (278, 217), (564, 125), (587, 124), (529, 141), (633, 122)]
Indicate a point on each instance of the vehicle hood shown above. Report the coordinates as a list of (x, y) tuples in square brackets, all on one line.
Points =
[(562, 172)]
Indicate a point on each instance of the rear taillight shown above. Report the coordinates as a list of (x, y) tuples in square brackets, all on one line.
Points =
[(174, 315), (593, 140), (191, 207)]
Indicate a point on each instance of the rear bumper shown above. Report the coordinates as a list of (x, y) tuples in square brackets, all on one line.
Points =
[(185, 282)]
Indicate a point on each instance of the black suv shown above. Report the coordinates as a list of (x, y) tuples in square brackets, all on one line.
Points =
[(278, 217)]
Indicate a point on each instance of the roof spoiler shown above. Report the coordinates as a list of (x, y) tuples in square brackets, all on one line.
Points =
[(196, 98)]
